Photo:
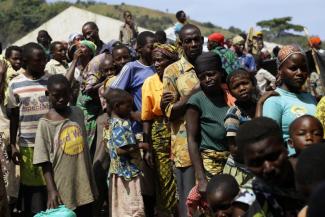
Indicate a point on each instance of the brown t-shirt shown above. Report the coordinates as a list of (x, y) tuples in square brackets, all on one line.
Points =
[(64, 144)]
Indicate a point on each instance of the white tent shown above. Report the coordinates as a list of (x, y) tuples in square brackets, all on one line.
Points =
[(71, 21)]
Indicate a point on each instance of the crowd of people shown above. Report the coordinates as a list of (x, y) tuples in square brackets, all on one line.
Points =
[(142, 127)]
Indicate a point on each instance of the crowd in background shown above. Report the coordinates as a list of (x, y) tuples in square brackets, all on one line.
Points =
[(143, 126)]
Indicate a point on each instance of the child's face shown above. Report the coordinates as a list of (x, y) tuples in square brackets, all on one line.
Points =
[(146, 51), (220, 204), (305, 132), (59, 96), (59, 52), (15, 59), (107, 68), (124, 108), (241, 87), (120, 58), (36, 63)]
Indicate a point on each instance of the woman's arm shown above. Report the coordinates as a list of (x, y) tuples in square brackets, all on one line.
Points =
[(192, 118), (147, 139), (70, 73)]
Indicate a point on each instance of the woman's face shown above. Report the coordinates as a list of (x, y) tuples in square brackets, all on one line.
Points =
[(294, 73), (160, 62), (210, 80), (86, 52)]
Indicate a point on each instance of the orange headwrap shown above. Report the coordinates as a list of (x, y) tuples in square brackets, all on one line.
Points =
[(314, 40)]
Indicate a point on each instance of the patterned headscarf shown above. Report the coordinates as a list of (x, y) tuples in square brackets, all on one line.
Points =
[(167, 50), (91, 45), (286, 52)]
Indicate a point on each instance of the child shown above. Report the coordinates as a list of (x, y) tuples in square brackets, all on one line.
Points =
[(242, 85), (303, 132), (125, 157), (61, 149), (221, 193), (58, 64), (28, 102)]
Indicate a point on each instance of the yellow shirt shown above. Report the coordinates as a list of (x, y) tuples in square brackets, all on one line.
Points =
[(152, 89), (179, 79), (320, 112)]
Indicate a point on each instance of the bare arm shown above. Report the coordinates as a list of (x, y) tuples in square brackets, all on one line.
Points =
[(70, 73), (53, 198), (260, 102), (192, 118), (14, 123), (147, 139)]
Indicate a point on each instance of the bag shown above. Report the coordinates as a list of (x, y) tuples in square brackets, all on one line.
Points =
[(61, 211)]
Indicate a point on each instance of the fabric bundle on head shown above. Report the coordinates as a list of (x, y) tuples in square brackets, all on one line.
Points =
[(91, 45), (238, 40), (217, 37), (286, 52), (168, 50), (72, 36), (314, 40), (258, 33), (208, 62)]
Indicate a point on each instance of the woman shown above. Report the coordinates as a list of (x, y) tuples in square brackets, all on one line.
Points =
[(155, 128), (205, 119), (292, 102)]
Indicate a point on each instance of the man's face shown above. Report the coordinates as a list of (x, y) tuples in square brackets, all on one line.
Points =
[(267, 159), (90, 33), (192, 43)]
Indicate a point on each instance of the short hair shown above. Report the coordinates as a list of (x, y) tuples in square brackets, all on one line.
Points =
[(161, 36), (119, 47), (225, 183), (90, 23), (241, 72), (57, 79), (115, 95), (27, 52), (186, 27), (248, 134), (179, 14), (12, 48), (53, 45), (143, 36), (302, 117)]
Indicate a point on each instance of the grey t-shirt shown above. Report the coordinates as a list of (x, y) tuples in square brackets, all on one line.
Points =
[(64, 144)]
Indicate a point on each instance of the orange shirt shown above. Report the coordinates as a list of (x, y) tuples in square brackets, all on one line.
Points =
[(152, 90)]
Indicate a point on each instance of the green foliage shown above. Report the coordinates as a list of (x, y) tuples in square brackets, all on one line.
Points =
[(278, 26)]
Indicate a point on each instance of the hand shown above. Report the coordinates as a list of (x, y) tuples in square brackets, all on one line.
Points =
[(166, 98), (148, 157), (265, 96), (77, 55), (202, 186), (195, 89), (53, 199), (15, 155), (3, 67)]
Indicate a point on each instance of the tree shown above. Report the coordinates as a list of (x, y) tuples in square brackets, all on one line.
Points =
[(277, 26)]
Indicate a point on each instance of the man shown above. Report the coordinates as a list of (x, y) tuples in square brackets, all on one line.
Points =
[(129, 30), (265, 155), (179, 83), (90, 32), (181, 18), (228, 57), (246, 60)]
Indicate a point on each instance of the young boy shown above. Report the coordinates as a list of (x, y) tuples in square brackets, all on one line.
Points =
[(265, 155), (125, 157), (62, 152), (221, 193), (28, 102), (58, 64), (303, 132)]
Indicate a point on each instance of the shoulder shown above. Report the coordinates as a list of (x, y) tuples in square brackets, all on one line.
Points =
[(172, 69), (196, 98), (233, 110)]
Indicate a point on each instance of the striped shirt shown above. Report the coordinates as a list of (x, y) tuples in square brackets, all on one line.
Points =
[(29, 96), (234, 118)]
